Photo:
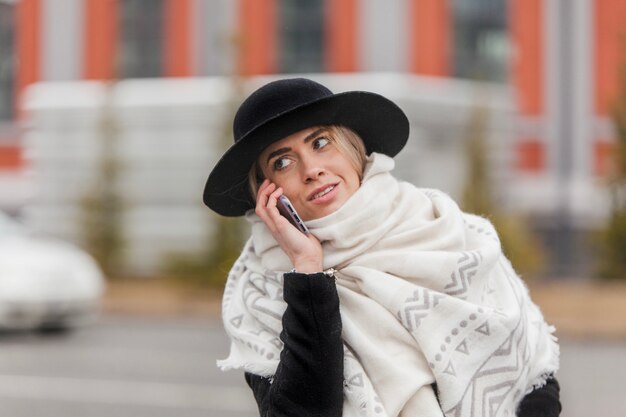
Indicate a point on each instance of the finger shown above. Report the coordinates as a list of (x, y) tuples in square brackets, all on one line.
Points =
[(261, 208), (263, 194), (272, 199), (273, 209)]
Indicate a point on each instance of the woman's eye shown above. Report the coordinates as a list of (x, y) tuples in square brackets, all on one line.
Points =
[(320, 142), (281, 163)]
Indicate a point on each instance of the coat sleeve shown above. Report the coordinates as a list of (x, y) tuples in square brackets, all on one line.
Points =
[(309, 377), (542, 402)]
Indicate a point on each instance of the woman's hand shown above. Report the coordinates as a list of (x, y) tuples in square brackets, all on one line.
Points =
[(305, 251)]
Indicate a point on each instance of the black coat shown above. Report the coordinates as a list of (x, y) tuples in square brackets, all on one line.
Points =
[(309, 378)]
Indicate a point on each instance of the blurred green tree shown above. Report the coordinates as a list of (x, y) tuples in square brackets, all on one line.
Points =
[(518, 242), (209, 267), (612, 256), (101, 206)]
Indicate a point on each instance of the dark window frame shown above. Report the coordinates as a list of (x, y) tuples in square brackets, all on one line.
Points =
[(481, 40), (8, 61), (301, 34), (142, 37)]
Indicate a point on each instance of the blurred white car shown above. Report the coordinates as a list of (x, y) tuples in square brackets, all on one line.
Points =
[(45, 283)]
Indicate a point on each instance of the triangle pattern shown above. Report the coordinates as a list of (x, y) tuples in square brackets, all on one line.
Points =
[(236, 321), (484, 329), (462, 347), (356, 380), (495, 403), (450, 369), (276, 342)]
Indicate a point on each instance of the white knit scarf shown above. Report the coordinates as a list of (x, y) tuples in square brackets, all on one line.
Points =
[(426, 296)]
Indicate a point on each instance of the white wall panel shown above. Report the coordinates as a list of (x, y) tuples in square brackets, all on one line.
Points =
[(551, 26), (582, 36), (215, 36), (384, 35), (62, 39)]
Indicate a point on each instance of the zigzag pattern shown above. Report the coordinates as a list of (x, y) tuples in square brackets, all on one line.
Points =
[(497, 384), (485, 397), (462, 278), (417, 307), (493, 395)]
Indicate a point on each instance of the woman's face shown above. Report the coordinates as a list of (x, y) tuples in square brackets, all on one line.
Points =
[(314, 174)]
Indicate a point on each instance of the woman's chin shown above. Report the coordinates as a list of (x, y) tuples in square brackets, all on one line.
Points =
[(317, 212)]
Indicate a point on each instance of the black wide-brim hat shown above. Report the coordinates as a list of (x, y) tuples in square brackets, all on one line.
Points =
[(284, 107)]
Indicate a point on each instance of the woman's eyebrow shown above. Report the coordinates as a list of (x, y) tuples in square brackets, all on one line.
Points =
[(277, 152), (281, 151), (314, 134)]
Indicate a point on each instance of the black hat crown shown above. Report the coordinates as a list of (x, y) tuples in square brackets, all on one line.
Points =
[(274, 99)]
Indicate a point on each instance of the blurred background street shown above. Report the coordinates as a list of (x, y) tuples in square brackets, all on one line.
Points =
[(112, 113), (165, 366), (122, 367)]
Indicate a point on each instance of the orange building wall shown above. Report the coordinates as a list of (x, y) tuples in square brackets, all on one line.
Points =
[(257, 37), (28, 38), (341, 20), (610, 59), (101, 38), (10, 157), (431, 34), (527, 35), (609, 49), (430, 50), (178, 39)]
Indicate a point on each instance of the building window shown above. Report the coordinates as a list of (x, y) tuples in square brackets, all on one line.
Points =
[(141, 49), (481, 40), (7, 61), (301, 35)]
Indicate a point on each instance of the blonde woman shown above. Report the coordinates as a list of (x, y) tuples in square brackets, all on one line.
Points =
[(396, 303)]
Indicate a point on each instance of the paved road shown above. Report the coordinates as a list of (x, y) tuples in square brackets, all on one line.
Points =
[(165, 367), (593, 379), (121, 367)]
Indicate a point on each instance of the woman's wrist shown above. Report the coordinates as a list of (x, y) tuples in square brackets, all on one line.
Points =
[(308, 267)]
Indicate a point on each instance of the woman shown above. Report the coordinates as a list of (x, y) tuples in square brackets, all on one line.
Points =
[(396, 303)]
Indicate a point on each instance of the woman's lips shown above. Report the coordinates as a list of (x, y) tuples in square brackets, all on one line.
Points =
[(326, 197)]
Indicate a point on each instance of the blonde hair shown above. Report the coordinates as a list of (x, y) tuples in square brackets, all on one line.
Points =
[(348, 142)]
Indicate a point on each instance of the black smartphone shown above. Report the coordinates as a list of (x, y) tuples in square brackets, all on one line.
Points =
[(288, 211)]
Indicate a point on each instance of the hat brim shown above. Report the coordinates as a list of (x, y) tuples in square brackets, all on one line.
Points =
[(381, 124)]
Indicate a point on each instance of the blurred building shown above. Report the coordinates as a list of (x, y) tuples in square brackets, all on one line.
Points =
[(547, 72)]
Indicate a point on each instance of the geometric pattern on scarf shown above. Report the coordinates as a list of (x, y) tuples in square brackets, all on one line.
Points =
[(426, 295)]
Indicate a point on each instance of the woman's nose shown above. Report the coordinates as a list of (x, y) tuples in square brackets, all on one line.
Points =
[(312, 171)]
